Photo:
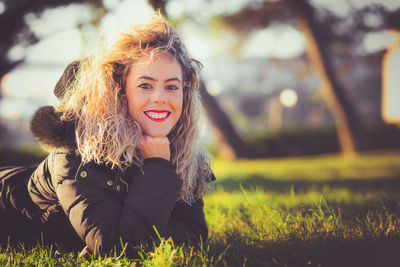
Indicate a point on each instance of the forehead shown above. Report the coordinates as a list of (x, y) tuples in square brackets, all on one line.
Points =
[(163, 65)]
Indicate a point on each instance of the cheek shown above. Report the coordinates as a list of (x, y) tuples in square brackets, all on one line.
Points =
[(179, 105), (133, 104)]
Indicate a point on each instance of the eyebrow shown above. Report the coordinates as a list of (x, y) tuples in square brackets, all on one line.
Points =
[(167, 80)]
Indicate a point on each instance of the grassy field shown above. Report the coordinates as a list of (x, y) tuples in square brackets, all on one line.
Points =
[(312, 211)]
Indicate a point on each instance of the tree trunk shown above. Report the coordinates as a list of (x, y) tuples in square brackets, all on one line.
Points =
[(348, 122), (230, 145)]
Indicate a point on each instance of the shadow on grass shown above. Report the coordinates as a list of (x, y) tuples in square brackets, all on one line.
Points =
[(316, 252), (231, 184), (376, 249)]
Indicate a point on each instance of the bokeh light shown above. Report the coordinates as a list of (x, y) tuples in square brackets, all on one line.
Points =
[(288, 98)]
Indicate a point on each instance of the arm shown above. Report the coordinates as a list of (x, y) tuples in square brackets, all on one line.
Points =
[(187, 223), (100, 218)]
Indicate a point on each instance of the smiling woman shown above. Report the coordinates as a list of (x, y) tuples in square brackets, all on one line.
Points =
[(124, 157), (155, 94)]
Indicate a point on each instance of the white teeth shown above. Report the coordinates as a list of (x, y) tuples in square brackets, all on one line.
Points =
[(155, 115)]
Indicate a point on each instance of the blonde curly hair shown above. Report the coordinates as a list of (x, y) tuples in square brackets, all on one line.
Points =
[(105, 132)]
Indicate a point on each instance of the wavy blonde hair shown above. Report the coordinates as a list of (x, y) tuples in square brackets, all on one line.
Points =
[(106, 133)]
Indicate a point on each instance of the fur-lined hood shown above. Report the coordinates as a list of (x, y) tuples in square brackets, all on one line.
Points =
[(50, 131), (47, 127)]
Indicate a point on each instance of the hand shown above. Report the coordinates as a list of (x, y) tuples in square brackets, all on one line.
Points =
[(155, 147)]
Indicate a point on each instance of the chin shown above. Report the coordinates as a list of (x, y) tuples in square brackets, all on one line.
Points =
[(157, 134)]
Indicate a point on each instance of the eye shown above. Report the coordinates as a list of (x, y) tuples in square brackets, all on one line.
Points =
[(171, 87), (145, 86)]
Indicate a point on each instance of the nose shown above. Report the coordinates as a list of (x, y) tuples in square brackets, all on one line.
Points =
[(159, 96)]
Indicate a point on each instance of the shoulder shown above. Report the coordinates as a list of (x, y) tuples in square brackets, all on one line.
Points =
[(68, 166), (64, 163)]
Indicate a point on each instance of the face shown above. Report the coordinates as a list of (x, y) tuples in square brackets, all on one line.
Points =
[(155, 94)]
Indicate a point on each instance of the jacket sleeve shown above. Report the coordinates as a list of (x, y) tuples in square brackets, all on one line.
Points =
[(102, 219), (187, 223)]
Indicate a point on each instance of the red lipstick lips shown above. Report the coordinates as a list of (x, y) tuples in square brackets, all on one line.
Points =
[(157, 115)]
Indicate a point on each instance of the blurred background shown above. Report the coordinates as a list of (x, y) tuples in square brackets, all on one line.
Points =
[(280, 77)]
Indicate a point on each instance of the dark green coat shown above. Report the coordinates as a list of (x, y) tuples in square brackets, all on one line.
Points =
[(103, 207)]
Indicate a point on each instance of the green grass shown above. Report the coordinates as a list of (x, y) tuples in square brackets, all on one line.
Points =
[(311, 211), (24, 154)]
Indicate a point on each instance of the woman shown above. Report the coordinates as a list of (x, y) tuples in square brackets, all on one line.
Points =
[(125, 163)]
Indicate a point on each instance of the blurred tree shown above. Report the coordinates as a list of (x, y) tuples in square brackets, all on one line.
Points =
[(15, 30), (320, 29), (230, 144), (349, 127)]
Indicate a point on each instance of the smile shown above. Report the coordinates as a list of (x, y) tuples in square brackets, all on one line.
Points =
[(157, 115)]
